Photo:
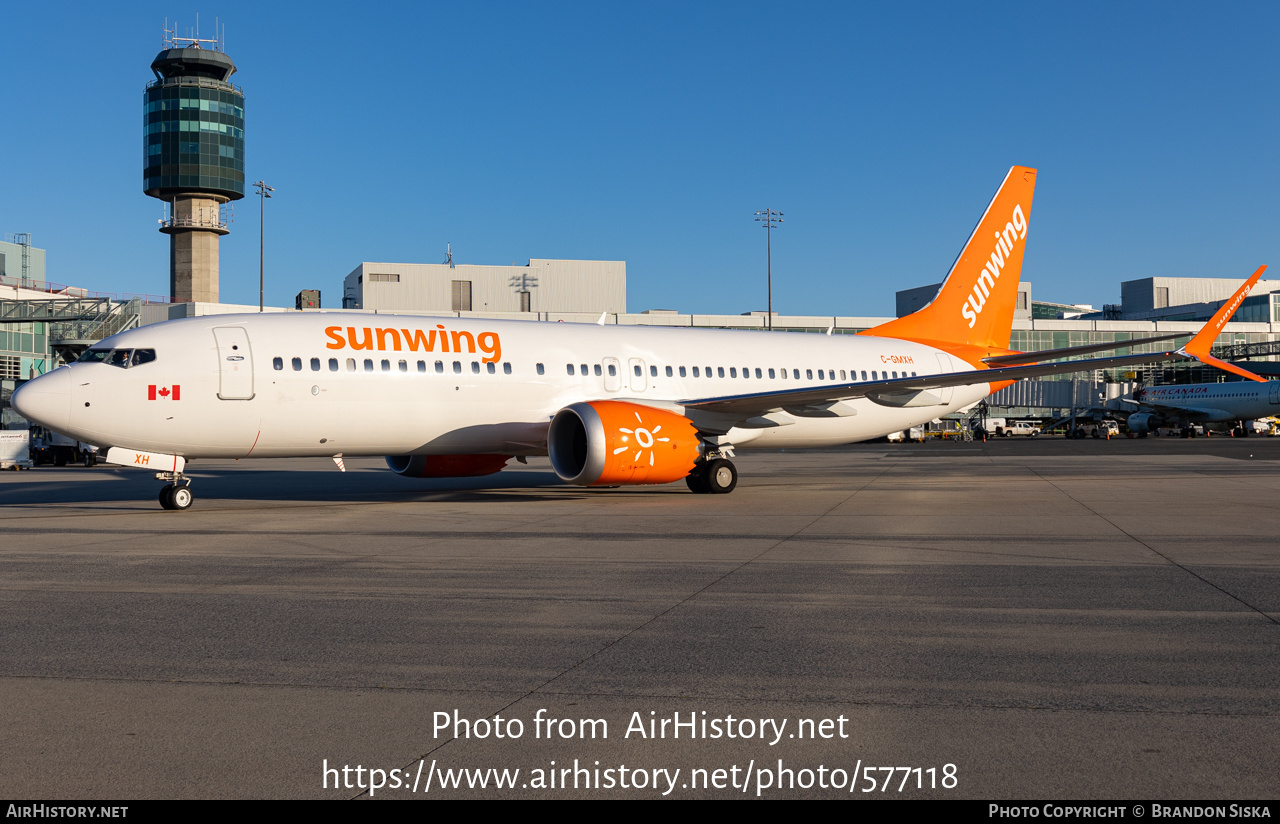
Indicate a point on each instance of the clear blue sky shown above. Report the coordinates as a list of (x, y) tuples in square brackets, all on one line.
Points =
[(651, 132)]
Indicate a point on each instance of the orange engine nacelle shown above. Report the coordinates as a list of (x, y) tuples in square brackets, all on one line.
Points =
[(446, 466), (612, 443)]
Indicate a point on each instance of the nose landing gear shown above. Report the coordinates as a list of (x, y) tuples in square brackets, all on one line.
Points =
[(177, 493)]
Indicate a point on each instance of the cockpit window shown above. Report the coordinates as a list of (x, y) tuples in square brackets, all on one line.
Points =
[(123, 358), (93, 356)]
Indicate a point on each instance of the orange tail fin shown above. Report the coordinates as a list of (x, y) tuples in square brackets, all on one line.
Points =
[(975, 304)]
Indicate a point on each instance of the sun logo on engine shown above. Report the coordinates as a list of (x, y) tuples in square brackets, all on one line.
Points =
[(644, 439)]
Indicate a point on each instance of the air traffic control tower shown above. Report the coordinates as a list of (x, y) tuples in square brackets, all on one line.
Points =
[(193, 157)]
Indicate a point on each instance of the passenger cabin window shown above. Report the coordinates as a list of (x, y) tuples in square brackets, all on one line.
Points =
[(315, 364), (719, 371), (682, 372), (297, 364), (695, 372), (475, 367), (568, 367), (669, 372), (351, 364), (422, 367), (653, 371), (457, 367), (439, 367), (493, 367), (404, 366), (506, 369), (597, 370), (386, 365), (368, 365), (639, 372), (277, 364), (542, 370), (613, 371)]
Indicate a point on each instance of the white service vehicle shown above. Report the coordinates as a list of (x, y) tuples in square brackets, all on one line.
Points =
[(1004, 428), (15, 449)]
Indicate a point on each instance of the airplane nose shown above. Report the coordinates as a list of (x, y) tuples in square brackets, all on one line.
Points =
[(46, 400)]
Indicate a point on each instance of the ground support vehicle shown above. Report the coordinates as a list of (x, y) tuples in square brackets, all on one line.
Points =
[(15, 449)]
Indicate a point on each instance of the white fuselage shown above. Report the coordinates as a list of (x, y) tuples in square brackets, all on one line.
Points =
[(1214, 402), (360, 384)]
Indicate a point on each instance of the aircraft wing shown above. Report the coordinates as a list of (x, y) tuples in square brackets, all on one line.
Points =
[(1206, 414), (824, 401), (900, 392), (1073, 351)]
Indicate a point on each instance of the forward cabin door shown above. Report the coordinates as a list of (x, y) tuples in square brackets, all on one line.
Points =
[(235, 363)]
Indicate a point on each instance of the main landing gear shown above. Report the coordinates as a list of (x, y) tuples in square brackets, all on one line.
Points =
[(177, 493), (716, 477)]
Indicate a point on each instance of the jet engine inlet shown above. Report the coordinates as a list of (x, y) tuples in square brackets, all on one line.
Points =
[(614, 443)]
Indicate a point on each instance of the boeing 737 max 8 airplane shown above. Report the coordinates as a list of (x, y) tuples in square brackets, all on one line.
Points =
[(610, 405)]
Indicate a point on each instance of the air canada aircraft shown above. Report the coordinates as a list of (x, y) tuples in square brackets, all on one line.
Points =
[(610, 405), (1220, 406)]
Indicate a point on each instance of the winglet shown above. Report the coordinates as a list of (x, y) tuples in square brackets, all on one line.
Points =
[(1199, 346)]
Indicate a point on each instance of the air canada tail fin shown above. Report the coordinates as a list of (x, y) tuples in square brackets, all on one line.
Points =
[(975, 304)]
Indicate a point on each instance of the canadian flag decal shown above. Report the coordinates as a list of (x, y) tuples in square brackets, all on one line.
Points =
[(164, 393)]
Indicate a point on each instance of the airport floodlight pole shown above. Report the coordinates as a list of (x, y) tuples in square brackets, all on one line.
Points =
[(264, 192), (769, 219)]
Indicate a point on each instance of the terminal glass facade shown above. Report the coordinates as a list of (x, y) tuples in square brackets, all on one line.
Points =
[(24, 350)]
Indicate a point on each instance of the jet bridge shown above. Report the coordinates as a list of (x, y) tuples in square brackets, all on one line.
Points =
[(75, 323)]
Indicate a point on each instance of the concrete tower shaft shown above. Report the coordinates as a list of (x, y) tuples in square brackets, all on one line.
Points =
[(193, 159)]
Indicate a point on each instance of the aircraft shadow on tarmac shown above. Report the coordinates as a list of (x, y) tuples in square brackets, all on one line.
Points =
[(108, 485)]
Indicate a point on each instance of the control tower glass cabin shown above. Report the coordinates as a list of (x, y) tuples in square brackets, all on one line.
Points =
[(193, 159)]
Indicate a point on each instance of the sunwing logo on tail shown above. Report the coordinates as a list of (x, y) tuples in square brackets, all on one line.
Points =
[(1014, 231)]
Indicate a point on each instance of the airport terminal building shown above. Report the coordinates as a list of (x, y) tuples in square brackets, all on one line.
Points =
[(587, 286)]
